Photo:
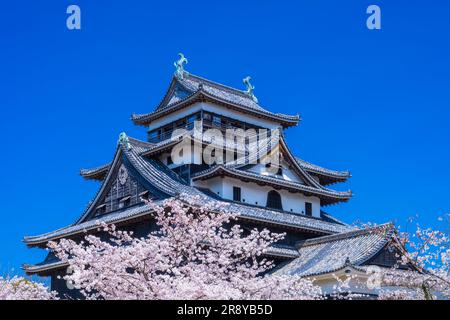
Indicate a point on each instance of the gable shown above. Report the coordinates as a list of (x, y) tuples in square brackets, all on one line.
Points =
[(389, 256), (176, 94), (285, 173), (123, 188)]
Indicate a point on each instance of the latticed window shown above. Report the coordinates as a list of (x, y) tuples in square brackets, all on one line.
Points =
[(274, 200)]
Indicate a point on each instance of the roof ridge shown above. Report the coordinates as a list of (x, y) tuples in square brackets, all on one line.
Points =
[(221, 85), (140, 142), (97, 168), (387, 227), (325, 191), (315, 167)]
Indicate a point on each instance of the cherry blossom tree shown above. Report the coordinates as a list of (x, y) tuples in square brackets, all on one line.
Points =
[(198, 252), (19, 288)]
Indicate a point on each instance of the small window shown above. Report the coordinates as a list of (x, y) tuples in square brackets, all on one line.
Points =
[(217, 120), (274, 200), (180, 124), (145, 195), (125, 202), (193, 118), (169, 160), (308, 208), (153, 136), (236, 194), (101, 209), (280, 171)]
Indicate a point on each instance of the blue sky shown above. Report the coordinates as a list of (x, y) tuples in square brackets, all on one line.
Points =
[(374, 102)]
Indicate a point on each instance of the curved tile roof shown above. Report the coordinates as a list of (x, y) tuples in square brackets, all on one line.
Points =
[(169, 183), (97, 173), (328, 194), (331, 253), (193, 87), (326, 176)]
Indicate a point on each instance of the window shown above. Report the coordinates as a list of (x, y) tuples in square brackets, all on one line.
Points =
[(236, 194), (124, 202), (145, 195), (217, 120), (180, 124), (193, 118), (280, 171), (153, 136), (274, 200), (308, 208), (169, 160), (101, 209)]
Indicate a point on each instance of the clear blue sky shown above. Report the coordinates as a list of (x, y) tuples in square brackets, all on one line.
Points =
[(374, 102)]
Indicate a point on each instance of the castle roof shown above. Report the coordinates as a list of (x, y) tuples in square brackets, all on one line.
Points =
[(326, 176), (327, 196), (331, 253), (191, 89), (169, 184)]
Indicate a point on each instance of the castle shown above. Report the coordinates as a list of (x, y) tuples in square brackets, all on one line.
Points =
[(290, 199)]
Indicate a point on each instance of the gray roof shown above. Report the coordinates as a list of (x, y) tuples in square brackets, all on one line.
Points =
[(97, 173), (169, 183), (114, 217), (331, 253), (181, 92), (45, 266), (326, 176), (276, 251), (327, 195), (282, 251)]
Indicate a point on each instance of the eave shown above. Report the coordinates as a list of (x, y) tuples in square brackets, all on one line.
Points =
[(97, 173), (202, 96), (327, 196)]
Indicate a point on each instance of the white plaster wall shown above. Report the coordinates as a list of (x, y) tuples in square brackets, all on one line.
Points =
[(215, 109), (288, 174), (257, 195), (214, 184)]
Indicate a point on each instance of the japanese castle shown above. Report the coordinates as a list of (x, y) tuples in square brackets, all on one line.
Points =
[(291, 199)]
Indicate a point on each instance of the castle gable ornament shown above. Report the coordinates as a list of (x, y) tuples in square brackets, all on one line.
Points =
[(250, 88), (179, 67)]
